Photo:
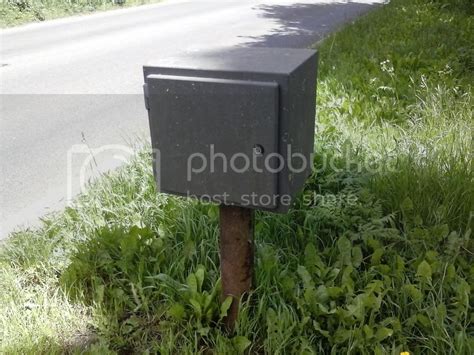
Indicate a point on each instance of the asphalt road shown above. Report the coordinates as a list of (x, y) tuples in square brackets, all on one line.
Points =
[(72, 87)]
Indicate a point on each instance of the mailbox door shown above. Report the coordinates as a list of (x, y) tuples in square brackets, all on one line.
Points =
[(217, 138)]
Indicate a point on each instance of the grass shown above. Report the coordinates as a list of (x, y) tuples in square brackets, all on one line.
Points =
[(376, 256), (17, 12)]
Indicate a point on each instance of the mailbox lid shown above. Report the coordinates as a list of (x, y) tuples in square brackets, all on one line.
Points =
[(273, 61), (206, 130)]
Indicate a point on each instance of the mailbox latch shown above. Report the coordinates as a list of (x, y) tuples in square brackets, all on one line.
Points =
[(147, 97)]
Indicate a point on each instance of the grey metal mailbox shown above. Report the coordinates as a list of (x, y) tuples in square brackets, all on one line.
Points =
[(235, 127)]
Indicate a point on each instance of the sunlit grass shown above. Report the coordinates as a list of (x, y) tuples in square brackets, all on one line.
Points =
[(383, 264), (17, 12), (36, 314)]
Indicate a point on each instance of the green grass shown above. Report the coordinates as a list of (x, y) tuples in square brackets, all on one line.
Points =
[(17, 12), (383, 263)]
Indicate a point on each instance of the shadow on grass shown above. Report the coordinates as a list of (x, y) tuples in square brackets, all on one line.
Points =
[(137, 278)]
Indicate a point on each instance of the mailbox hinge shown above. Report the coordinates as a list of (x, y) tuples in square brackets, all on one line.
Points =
[(147, 98)]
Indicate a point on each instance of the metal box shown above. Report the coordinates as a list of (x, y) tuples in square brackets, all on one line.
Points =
[(234, 127)]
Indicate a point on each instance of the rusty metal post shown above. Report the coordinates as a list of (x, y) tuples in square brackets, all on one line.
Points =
[(236, 250)]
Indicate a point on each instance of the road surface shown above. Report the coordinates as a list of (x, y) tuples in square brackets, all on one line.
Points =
[(73, 86)]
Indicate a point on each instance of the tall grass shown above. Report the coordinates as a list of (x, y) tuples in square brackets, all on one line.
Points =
[(375, 257)]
